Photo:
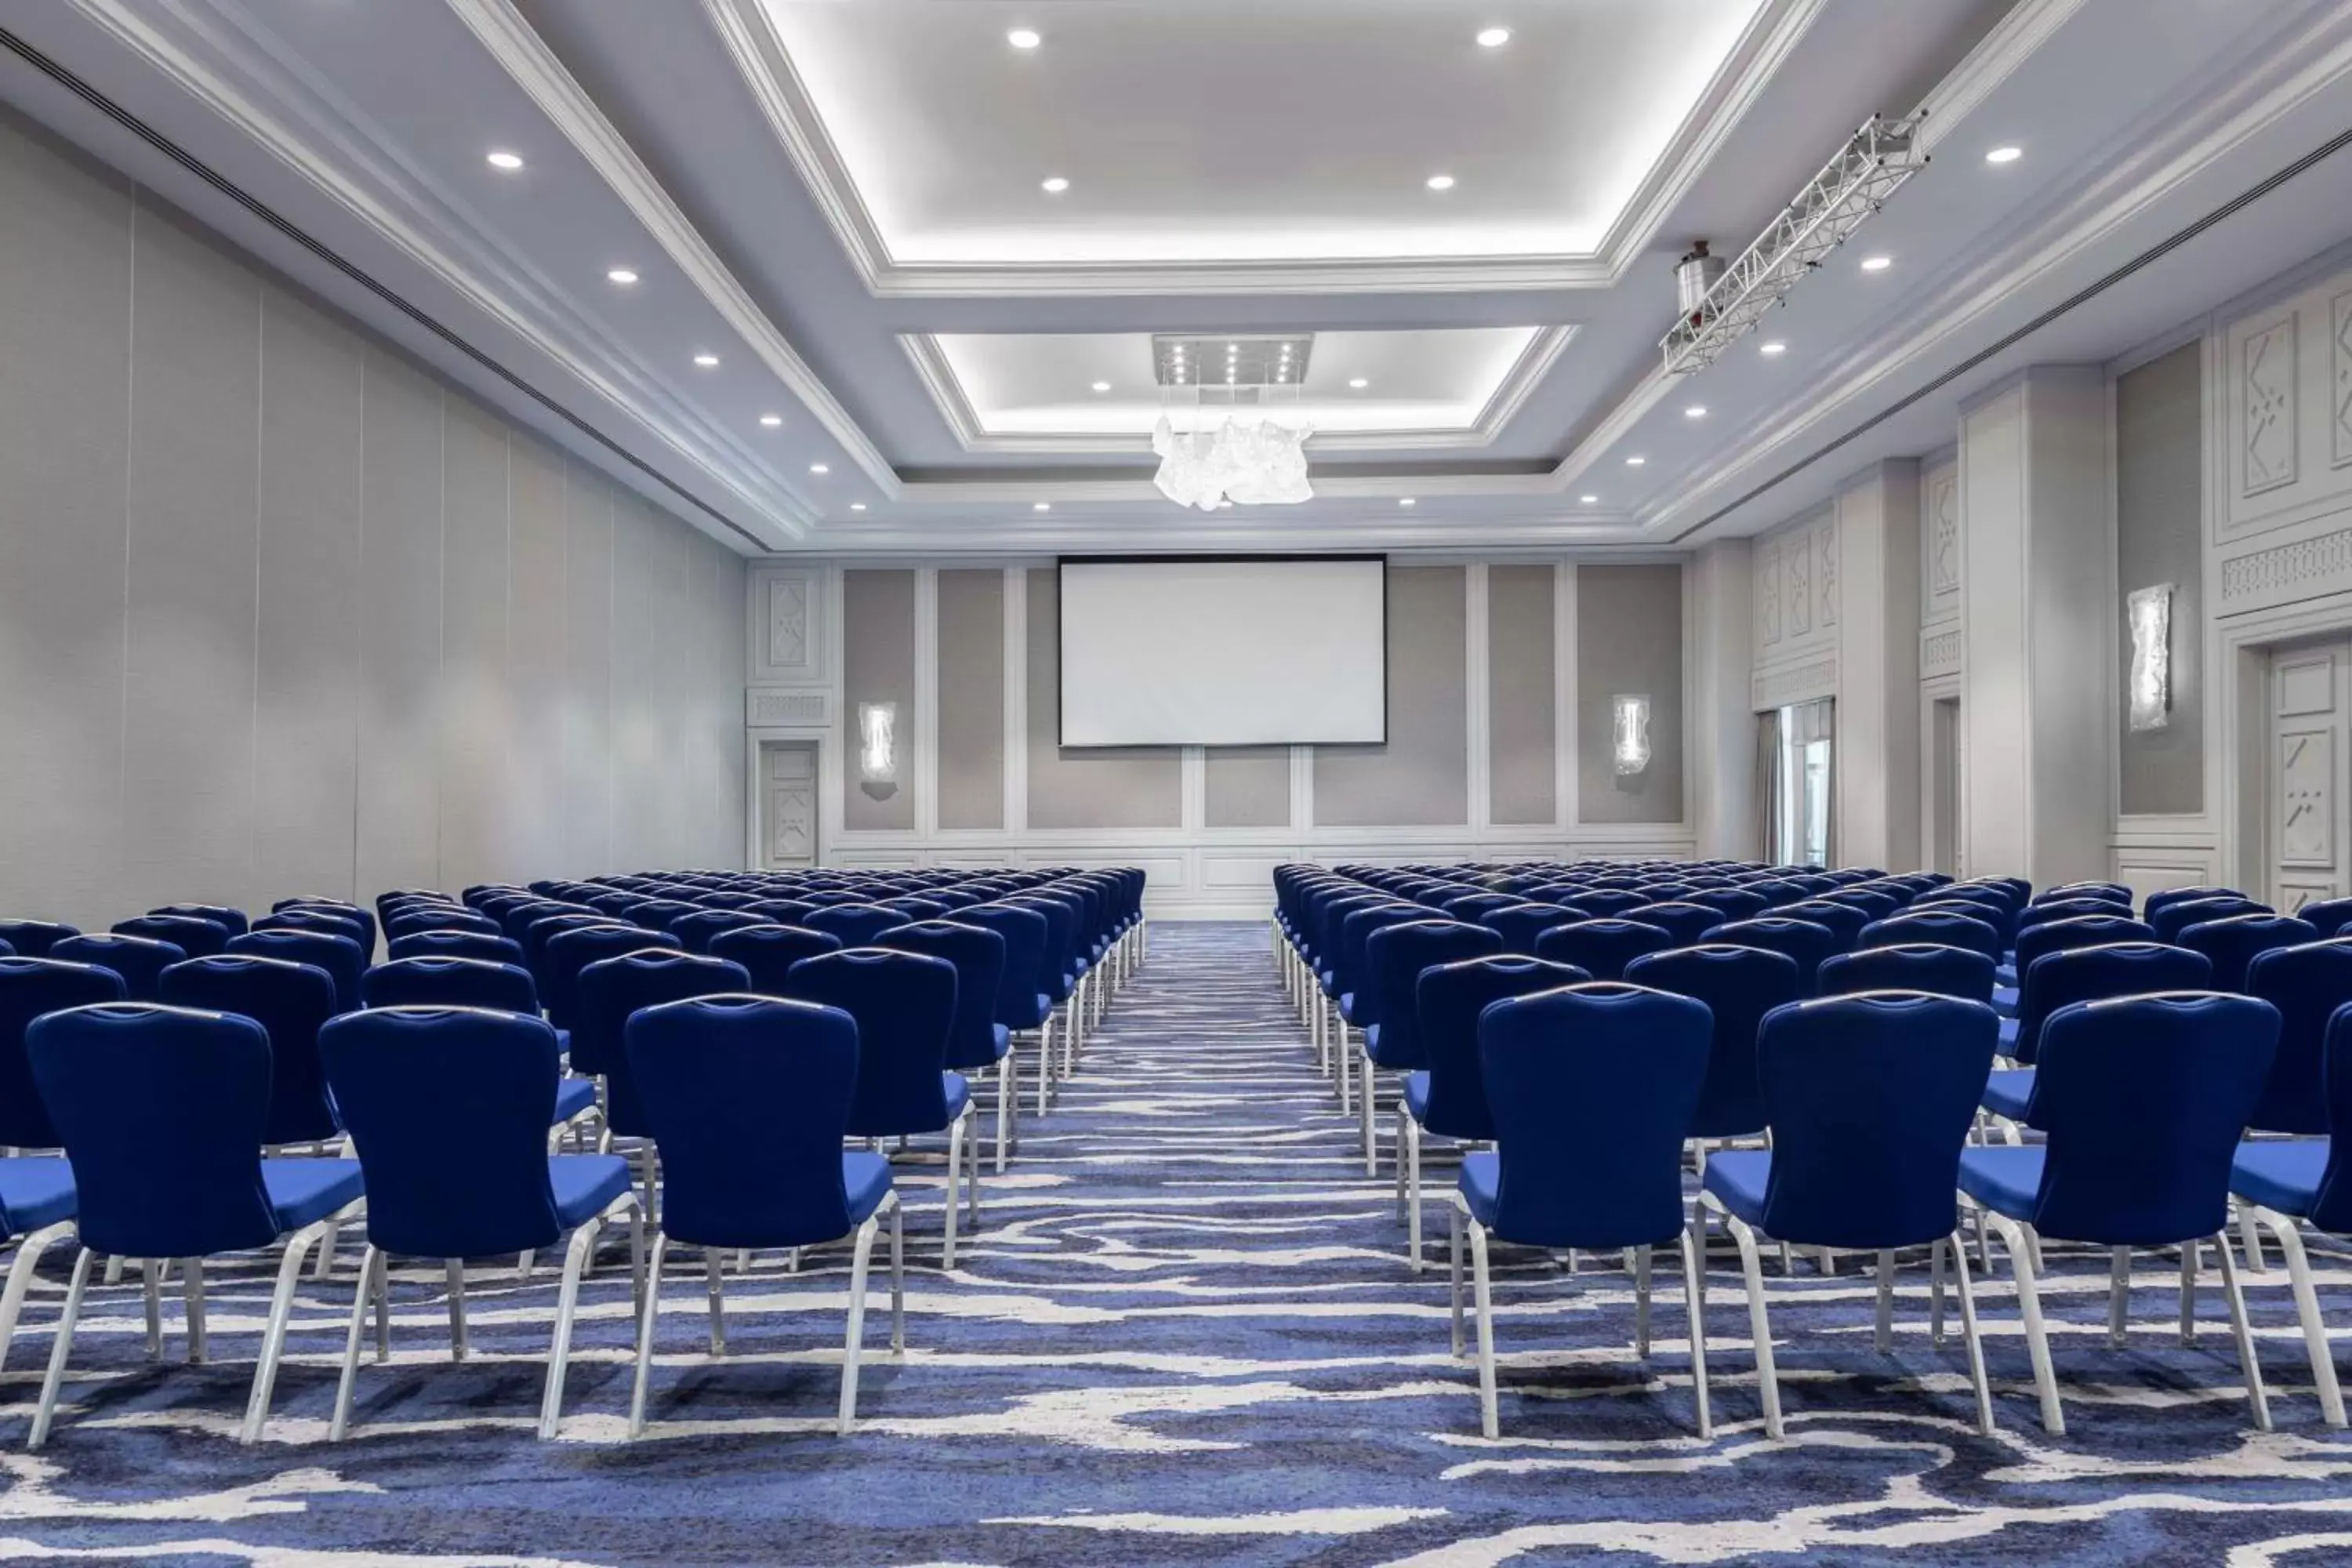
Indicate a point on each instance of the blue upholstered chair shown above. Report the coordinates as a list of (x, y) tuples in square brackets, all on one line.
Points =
[(28, 988), (2165, 898), (2144, 1099), (33, 939), (1520, 924), (447, 942), (2234, 941), (1927, 967), (448, 1113), (1946, 928), (1803, 942), (2171, 920), (2076, 975), (2057, 936), (904, 1005), (2306, 984), (450, 982), (162, 1111), (750, 1099), (976, 1041), (1606, 902), (1358, 994), (230, 920), (574, 948), (196, 938), (2327, 916), (856, 924), (139, 960), (696, 930), (341, 956), (335, 923), (2047, 910), (1869, 1099), (416, 921), (606, 992), (1739, 985), (1447, 1097), (1843, 922), (768, 951), (1685, 923), (1592, 1088), (1395, 960), (1023, 1005), (1601, 947), (291, 1001)]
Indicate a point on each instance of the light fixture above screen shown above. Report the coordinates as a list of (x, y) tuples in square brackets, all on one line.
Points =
[(1225, 391)]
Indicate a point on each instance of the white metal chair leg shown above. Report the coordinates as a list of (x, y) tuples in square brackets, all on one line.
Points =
[(61, 1349), (1759, 1323), (273, 1338), (2190, 1250), (371, 1261), (646, 1312), (191, 1296), (567, 1301), (1969, 1332), (1936, 1295), (1342, 1058), (2307, 1309), (861, 1253), (2257, 1399), (717, 1299), (955, 1163), (2118, 1295), (2251, 1237), (898, 1273), (1367, 1109), (151, 1281), (1694, 1304), (1641, 1271), (454, 1270), (1454, 1214), (2028, 1306), (1483, 1289), (1882, 1334), (1006, 1093), (20, 1277), (1412, 1191)]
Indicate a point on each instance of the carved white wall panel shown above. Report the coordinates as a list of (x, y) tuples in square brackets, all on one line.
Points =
[(1797, 585), (766, 709), (2294, 896), (788, 633), (2340, 358), (1826, 590), (2305, 686), (2259, 579), (1940, 653), (2306, 783), (1943, 543), (2285, 448), (1767, 594), (788, 622), (2266, 445), (1793, 683)]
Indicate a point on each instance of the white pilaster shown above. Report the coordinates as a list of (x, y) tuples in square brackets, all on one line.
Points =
[(1722, 726)]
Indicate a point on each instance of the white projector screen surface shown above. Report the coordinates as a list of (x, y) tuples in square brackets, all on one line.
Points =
[(1218, 652)]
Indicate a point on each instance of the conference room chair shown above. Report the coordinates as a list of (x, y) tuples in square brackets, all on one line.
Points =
[(37, 1205), (230, 920), (2063, 978), (603, 995), (32, 938), (1064, 965), (1356, 1001), (2043, 912), (856, 924), (335, 923), (1875, 904), (139, 960), (448, 918), (904, 1005), (1729, 903), (1944, 927), (162, 1113), (2091, 889), (1739, 987), (574, 948), (2329, 917), (2142, 1100), (749, 1098), (1926, 966), (28, 988), (291, 1001), (976, 1041), (695, 931), (768, 951), (448, 1113), (1683, 922), (1520, 924), (1024, 1007), (1395, 957), (654, 914), (1591, 1089), (1803, 942), (2170, 922), (1843, 922), (444, 942), (349, 910), (340, 956), (1607, 903), (2285, 1184), (2236, 940), (2056, 936), (544, 929), (2164, 898), (1601, 947), (782, 912), (1869, 1099)]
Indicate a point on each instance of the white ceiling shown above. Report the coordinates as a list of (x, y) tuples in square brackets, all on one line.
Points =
[(823, 196)]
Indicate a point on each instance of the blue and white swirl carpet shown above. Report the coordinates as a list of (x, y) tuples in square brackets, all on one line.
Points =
[(1186, 1335)]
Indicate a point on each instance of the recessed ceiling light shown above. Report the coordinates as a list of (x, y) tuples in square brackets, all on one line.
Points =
[(1406, 500), (1024, 37), (771, 420), (1041, 505), (502, 159), (1775, 347), (706, 361), (819, 469), (1493, 38), (1695, 411), (1056, 185), (1635, 462), (1876, 263), (1441, 182), (1102, 386), (1358, 383), (620, 275), (2004, 154), (1590, 500), (857, 506)]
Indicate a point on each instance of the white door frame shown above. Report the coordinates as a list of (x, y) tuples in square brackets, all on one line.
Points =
[(755, 793)]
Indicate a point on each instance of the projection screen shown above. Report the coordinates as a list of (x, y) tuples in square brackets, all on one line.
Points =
[(1223, 651)]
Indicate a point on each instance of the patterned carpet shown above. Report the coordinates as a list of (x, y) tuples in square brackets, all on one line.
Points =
[(1186, 1335)]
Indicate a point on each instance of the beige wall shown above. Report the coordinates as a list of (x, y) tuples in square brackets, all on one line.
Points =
[(279, 613)]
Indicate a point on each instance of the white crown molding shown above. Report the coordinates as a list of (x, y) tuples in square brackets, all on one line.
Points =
[(1615, 538), (744, 28), (281, 105), (2151, 159), (1510, 393), (2012, 40), (526, 58)]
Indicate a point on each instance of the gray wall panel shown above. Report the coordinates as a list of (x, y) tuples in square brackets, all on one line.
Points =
[(1522, 780), (2160, 490), (1629, 640), (1142, 787), (877, 616), (476, 719), (1422, 777), (1246, 786), (588, 671), (971, 699), (537, 650), (400, 650)]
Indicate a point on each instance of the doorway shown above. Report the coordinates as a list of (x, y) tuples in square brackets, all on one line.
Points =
[(787, 805), (1947, 770), (2308, 842)]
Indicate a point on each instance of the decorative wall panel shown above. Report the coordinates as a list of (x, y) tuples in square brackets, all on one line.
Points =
[(2339, 359), (2266, 387), (2306, 799), (1826, 589), (1943, 544)]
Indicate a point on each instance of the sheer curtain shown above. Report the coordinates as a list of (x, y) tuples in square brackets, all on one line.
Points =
[(1814, 735), (1768, 784)]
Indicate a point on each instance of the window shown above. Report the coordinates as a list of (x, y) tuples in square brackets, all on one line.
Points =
[(1801, 830)]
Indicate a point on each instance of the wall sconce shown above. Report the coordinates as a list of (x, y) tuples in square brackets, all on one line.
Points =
[(877, 749), (1630, 723), (2150, 614)]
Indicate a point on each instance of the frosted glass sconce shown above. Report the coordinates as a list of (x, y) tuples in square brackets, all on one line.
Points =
[(877, 747), (2150, 613), (1630, 723)]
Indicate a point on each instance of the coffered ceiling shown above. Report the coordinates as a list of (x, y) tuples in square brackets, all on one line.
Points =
[(792, 267)]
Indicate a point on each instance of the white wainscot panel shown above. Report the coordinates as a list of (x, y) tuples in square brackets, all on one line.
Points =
[(2287, 407), (786, 617)]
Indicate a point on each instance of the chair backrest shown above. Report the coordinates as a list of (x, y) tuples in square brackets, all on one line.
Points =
[(1728, 904), (161, 1111), (447, 1109), (451, 982), (1520, 924), (856, 924), (573, 949), (1352, 963), (2232, 942), (2165, 898), (444, 942), (2327, 916), (1395, 959), (1803, 942), (2307, 984), (768, 953), (340, 956), (2075, 974), (1604, 901), (1946, 928), (1738, 986), (2076, 931), (438, 917), (1927, 967), (1685, 923), (1448, 998), (696, 930), (606, 992), (336, 922), (2144, 1099), (1869, 1099), (1843, 922), (1592, 1087), (32, 938), (2332, 1210), (291, 1001), (230, 920), (1601, 947), (195, 937), (28, 988), (139, 960), (904, 1004), (748, 1099), (1023, 978), (2050, 910), (977, 955), (2170, 922)]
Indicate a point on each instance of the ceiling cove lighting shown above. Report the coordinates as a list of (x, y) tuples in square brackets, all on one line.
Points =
[(1874, 163), (501, 159), (1441, 182), (2004, 154), (771, 420), (1055, 184), (1025, 37), (621, 276), (1493, 38)]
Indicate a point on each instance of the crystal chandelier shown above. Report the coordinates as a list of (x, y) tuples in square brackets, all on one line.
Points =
[(1243, 457)]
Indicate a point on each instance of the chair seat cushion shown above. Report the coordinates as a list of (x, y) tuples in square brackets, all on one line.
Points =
[(1739, 1177), (2281, 1174), (564, 1044), (1347, 1009), (2010, 1093), (959, 1092), (304, 1191), (35, 1193), (1481, 1185), (572, 1096), (2005, 973), (2008, 1037), (1004, 1038), (585, 1185), (866, 1179), (2005, 1180), (1416, 1096), (2004, 1000)]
